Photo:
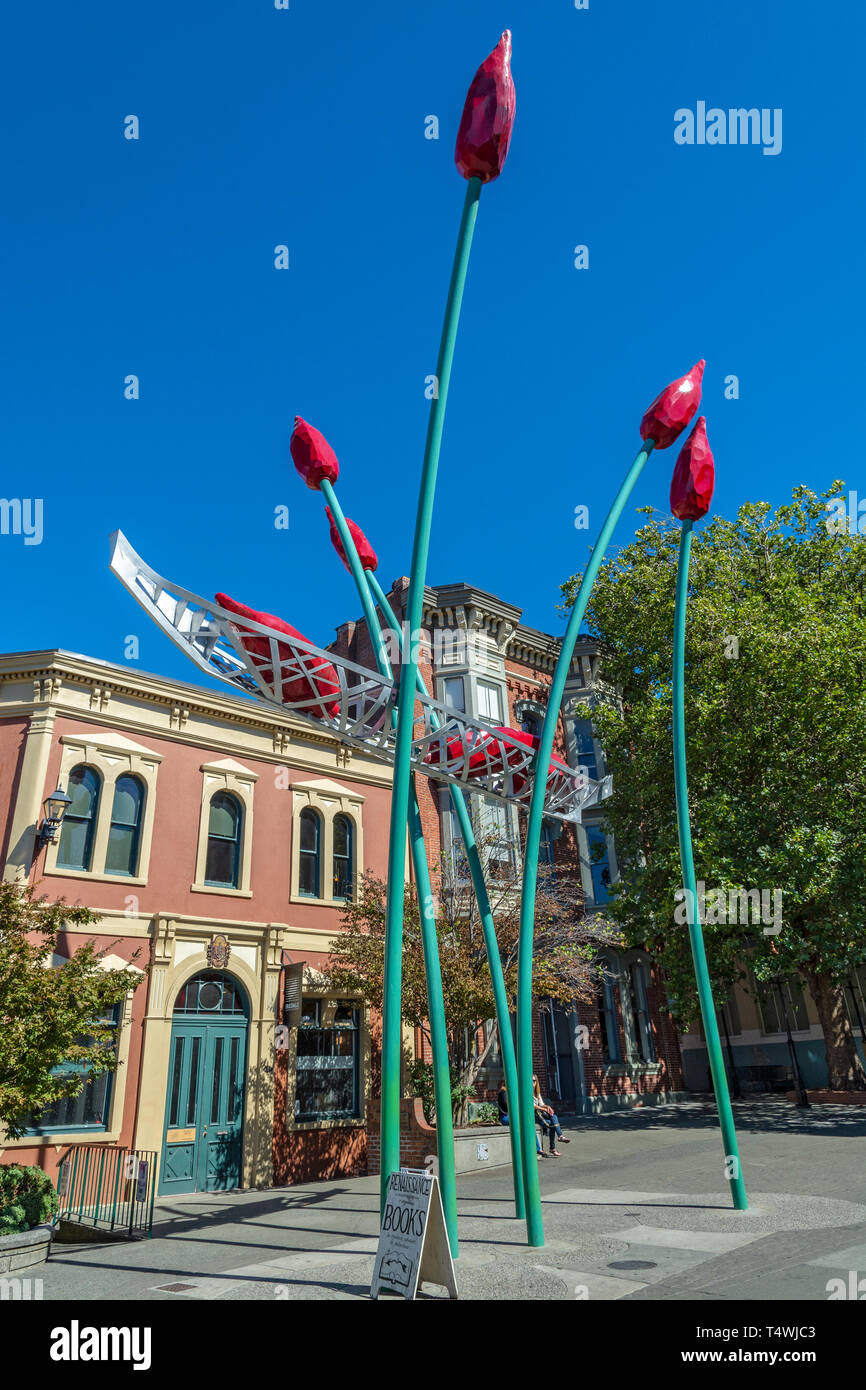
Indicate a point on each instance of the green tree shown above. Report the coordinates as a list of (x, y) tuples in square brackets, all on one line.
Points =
[(776, 731), (567, 946), (50, 1017)]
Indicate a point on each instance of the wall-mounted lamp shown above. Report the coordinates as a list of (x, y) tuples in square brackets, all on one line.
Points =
[(56, 806)]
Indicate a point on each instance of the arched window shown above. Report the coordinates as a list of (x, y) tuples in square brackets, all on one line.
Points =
[(344, 855), (530, 722), (224, 841), (79, 823), (310, 877), (599, 863), (585, 743), (122, 854)]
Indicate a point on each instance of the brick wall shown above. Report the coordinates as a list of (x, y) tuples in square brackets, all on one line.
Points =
[(417, 1138)]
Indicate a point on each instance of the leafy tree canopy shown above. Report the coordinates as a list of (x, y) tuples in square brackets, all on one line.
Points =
[(776, 735), (50, 1017)]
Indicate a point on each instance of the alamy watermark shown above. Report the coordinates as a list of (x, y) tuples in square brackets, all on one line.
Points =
[(846, 516), (732, 906), (736, 126), (22, 516)]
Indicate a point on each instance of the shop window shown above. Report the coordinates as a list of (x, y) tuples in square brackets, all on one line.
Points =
[(344, 857), (607, 1014), (772, 1010), (89, 1108), (855, 999), (225, 825), (79, 824), (122, 853), (640, 1012), (328, 1061), (310, 854)]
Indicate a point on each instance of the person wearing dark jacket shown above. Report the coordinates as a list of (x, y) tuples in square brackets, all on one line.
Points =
[(502, 1102)]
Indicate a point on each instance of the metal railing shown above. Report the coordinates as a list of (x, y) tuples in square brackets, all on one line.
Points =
[(107, 1187)]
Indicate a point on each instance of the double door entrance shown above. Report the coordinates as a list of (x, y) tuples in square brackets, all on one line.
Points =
[(203, 1140)]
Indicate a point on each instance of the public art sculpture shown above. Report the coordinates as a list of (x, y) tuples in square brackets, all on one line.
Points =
[(401, 724)]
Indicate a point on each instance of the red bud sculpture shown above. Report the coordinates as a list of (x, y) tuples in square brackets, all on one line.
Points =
[(488, 117), (312, 455), (670, 412), (320, 681), (694, 476), (366, 552)]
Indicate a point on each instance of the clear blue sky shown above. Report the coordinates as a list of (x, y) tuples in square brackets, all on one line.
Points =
[(306, 127)]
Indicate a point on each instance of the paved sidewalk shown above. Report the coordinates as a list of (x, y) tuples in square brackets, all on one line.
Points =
[(636, 1208)]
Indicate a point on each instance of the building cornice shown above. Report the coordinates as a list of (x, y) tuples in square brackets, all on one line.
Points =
[(120, 697)]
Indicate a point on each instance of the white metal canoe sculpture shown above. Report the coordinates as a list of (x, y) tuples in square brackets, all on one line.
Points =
[(350, 702)]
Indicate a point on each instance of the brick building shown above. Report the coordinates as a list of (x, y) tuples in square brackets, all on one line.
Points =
[(477, 656), (218, 839)]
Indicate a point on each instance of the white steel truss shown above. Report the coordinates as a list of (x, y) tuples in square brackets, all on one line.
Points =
[(469, 753)]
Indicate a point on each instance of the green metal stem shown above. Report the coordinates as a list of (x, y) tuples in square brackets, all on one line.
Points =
[(733, 1166), (426, 910), (488, 927), (391, 1012), (534, 1224)]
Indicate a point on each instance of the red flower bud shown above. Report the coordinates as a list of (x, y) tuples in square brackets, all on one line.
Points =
[(312, 454), (670, 412), (488, 116), (694, 476), (319, 680), (362, 545)]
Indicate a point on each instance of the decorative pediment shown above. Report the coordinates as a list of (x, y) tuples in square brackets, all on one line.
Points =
[(230, 765), (327, 787), (106, 741)]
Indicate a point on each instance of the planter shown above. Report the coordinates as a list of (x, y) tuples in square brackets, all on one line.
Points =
[(25, 1249), (830, 1097), (481, 1146)]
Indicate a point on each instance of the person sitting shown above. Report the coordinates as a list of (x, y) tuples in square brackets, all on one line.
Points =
[(502, 1102), (547, 1118)]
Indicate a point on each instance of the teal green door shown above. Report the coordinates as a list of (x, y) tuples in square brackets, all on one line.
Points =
[(203, 1139)]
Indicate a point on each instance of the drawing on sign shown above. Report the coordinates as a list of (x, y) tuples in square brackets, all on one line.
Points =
[(141, 1188), (413, 1240), (482, 1152), (396, 1271)]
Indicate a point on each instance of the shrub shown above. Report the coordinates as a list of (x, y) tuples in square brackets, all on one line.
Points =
[(27, 1198), (419, 1075), (486, 1113)]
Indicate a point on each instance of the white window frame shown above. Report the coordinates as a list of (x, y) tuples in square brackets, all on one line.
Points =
[(111, 756), (232, 777)]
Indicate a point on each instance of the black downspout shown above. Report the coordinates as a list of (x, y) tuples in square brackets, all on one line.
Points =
[(798, 1077), (735, 1080)]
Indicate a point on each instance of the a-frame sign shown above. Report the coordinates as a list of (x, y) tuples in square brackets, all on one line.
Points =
[(413, 1240)]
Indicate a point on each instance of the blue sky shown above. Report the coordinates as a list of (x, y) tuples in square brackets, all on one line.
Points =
[(306, 127)]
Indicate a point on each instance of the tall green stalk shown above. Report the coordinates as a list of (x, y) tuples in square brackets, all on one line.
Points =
[(488, 927), (426, 910), (534, 1224), (391, 1013), (733, 1167)]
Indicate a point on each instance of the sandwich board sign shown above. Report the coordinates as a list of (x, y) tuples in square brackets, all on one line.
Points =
[(413, 1241)]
